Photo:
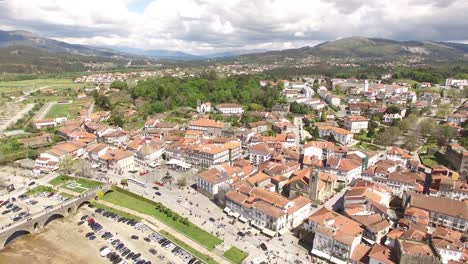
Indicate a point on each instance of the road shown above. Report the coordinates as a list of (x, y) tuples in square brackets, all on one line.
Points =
[(41, 114), (27, 93)]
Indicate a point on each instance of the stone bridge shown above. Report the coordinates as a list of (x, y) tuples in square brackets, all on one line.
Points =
[(38, 221)]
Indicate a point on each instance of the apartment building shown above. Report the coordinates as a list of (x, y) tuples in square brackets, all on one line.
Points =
[(230, 109), (444, 212), (268, 211), (209, 127), (343, 136), (335, 236), (356, 124)]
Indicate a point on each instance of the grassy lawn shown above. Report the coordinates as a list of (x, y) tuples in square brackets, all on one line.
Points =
[(59, 180), (115, 211), (235, 255), (64, 110), (40, 189), (63, 180), (367, 146), (436, 158), (147, 207), (188, 248), (67, 195)]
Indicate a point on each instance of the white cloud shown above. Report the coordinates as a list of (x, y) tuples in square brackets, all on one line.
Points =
[(213, 25)]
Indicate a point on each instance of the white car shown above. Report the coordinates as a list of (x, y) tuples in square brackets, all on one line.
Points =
[(106, 251)]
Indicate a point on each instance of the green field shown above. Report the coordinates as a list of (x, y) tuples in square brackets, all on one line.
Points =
[(235, 255), (64, 181), (40, 189), (188, 248), (27, 85), (145, 206), (435, 159), (64, 110)]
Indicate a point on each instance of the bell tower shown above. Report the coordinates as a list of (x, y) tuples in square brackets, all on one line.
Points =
[(313, 185)]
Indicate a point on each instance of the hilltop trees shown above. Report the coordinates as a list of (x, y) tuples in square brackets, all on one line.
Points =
[(161, 94)]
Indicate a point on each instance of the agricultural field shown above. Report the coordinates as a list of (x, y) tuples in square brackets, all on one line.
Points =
[(69, 110), (28, 85)]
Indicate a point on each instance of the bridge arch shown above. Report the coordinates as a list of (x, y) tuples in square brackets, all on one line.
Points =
[(81, 204), (16, 235), (69, 210), (52, 218), (36, 226)]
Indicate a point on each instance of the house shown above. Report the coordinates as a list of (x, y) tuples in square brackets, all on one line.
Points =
[(209, 181), (113, 136), (399, 155), (356, 124), (335, 236), (40, 124), (260, 153), (206, 155), (259, 127), (449, 244), (49, 161), (319, 149), (203, 108), (37, 141), (149, 154), (230, 109), (266, 210), (411, 251), (343, 136), (444, 212), (345, 169), (209, 127), (390, 118), (381, 255), (111, 158), (458, 118)]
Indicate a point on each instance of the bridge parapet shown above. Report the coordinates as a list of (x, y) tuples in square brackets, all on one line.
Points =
[(36, 222)]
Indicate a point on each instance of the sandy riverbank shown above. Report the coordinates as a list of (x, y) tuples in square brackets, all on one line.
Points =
[(63, 242)]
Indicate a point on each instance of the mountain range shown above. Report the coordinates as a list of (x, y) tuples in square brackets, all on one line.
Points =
[(22, 51)]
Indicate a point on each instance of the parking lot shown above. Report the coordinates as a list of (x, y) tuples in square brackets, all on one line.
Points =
[(122, 240), (17, 208)]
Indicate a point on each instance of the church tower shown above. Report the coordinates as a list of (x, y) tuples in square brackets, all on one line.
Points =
[(313, 185)]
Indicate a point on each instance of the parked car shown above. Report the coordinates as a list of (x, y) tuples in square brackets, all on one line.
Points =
[(263, 247), (158, 193)]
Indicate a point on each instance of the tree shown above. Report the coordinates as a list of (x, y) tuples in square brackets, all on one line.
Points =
[(103, 102), (323, 116), (393, 109), (124, 182), (116, 120), (99, 194), (388, 136), (82, 167), (412, 141), (119, 85), (168, 178), (67, 164), (182, 181)]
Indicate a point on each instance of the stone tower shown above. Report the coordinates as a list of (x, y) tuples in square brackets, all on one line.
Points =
[(313, 185)]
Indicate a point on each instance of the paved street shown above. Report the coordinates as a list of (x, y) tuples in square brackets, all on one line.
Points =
[(199, 209)]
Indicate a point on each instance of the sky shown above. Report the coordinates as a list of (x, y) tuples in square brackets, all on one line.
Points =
[(210, 26)]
